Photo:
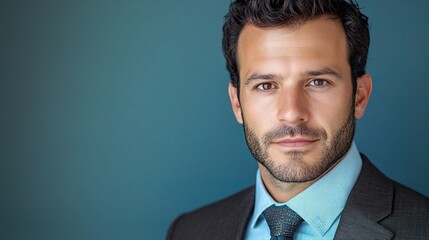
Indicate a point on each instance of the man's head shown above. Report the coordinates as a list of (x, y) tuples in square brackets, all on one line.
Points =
[(297, 81), (278, 13)]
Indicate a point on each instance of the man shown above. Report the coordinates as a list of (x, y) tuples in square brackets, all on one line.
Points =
[(298, 83)]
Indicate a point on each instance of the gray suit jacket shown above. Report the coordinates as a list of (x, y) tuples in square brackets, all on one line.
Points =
[(377, 208)]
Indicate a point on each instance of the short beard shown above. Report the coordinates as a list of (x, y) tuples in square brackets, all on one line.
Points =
[(296, 169)]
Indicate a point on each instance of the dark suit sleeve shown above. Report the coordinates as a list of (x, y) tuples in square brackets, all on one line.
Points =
[(172, 228), (223, 220)]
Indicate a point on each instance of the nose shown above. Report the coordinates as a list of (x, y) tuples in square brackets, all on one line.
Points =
[(292, 106)]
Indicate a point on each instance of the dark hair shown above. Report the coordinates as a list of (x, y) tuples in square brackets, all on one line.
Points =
[(277, 13)]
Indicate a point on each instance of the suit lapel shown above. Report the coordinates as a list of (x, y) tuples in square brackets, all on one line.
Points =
[(244, 210), (369, 202), (232, 225)]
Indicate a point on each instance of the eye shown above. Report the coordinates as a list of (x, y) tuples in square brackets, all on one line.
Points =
[(318, 83), (265, 86)]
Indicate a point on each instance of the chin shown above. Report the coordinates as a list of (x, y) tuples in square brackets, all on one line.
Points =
[(297, 166)]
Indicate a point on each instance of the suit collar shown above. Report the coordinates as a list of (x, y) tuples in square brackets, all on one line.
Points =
[(369, 202), (240, 214), (245, 210), (224, 220)]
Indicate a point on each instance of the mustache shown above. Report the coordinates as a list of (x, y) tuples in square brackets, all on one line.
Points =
[(288, 131)]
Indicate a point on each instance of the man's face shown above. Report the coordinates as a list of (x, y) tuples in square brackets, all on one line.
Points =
[(296, 98)]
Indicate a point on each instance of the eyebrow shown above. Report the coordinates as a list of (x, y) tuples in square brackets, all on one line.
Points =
[(322, 71), (260, 76), (311, 73)]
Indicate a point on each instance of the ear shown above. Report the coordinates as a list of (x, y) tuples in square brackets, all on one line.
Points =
[(363, 91), (235, 103)]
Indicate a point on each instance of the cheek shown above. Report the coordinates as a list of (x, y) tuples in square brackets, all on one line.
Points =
[(258, 117), (331, 113)]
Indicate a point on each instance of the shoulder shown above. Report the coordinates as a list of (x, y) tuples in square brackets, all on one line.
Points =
[(408, 209), (227, 216), (410, 212), (228, 204), (380, 208), (405, 196), (402, 197)]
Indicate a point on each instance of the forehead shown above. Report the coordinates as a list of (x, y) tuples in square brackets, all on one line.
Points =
[(316, 42)]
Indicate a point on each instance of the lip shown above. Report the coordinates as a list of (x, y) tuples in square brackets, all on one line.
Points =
[(295, 142)]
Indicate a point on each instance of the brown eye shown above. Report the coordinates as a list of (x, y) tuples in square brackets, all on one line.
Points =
[(265, 86), (318, 82)]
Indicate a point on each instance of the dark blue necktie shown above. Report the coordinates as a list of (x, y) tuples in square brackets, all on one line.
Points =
[(282, 221)]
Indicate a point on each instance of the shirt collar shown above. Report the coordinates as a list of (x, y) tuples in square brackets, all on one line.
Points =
[(314, 204)]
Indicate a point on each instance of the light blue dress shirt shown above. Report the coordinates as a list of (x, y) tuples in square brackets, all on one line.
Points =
[(320, 205)]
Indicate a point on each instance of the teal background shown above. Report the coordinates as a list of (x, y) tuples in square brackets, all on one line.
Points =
[(115, 116)]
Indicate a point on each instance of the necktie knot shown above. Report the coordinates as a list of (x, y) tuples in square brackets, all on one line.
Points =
[(282, 220)]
